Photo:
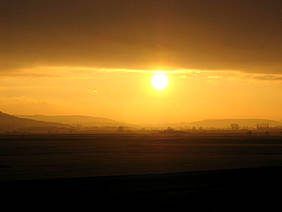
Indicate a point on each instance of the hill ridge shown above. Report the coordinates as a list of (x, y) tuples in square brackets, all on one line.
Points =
[(11, 122)]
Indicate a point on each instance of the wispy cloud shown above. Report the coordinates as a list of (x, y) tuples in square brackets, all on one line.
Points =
[(269, 77), (77, 71)]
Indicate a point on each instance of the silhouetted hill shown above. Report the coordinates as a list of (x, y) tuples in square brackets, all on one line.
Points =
[(10, 123), (75, 120), (225, 123)]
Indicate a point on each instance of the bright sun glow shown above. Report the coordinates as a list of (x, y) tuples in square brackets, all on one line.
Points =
[(160, 81)]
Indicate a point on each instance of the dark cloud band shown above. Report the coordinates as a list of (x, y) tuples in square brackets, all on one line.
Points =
[(235, 35)]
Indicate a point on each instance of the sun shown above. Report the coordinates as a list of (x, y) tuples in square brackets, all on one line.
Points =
[(159, 81)]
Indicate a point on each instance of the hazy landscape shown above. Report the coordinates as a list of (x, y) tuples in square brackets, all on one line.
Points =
[(130, 104), (163, 169), (36, 147), (87, 124)]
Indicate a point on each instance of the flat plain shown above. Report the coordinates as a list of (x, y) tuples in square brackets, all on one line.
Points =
[(68, 156), (134, 171)]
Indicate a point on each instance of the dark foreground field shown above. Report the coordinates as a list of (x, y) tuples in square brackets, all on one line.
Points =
[(224, 190), (194, 171)]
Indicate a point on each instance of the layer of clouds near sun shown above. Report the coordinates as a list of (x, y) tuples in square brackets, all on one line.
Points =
[(201, 35)]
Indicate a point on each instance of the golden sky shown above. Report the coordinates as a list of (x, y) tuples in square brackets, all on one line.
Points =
[(222, 59), (128, 95)]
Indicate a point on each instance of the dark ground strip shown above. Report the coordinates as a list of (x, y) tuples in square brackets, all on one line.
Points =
[(247, 188)]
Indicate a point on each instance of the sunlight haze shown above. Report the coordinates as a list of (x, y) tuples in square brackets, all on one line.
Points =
[(222, 59)]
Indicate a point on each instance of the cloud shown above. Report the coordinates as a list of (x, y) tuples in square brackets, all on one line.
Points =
[(269, 77), (142, 34), (92, 72)]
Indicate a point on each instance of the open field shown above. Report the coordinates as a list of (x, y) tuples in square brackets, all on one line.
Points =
[(139, 171), (220, 190), (66, 156)]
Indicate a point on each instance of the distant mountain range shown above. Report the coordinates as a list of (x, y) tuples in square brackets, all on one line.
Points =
[(75, 120), (49, 123), (10, 123), (226, 123)]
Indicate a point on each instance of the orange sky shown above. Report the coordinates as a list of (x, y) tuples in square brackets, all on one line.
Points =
[(128, 95), (222, 57)]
